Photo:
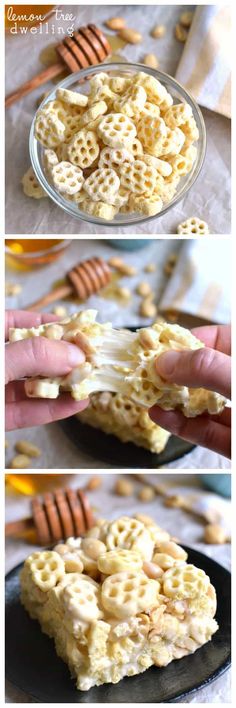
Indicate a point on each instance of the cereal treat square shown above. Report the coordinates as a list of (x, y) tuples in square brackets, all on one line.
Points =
[(120, 361), (119, 600)]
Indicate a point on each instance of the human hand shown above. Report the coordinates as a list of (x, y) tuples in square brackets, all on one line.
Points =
[(208, 368), (37, 357)]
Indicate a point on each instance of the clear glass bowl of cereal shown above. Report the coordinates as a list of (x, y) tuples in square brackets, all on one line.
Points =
[(145, 166)]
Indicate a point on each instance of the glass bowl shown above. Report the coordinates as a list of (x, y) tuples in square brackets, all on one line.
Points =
[(178, 93)]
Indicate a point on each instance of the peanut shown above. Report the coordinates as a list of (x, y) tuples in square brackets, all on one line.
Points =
[(151, 60), (163, 560), (172, 549), (20, 462), (172, 316), (60, 311), (180, 33), (214, 533), (121, 266), (130, 36), (145, 519), (152, 570), (150, 268), (168, 269), (93, 547), (124, 488), (158, 31), (115, 23), (27, 448), (143, 289), (147, 308), (94, 483), (146, 494), (12, 289), (186, 18), (124, 293)]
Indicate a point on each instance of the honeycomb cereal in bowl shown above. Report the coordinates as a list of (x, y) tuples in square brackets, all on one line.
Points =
[(129, 125), (133, 616)]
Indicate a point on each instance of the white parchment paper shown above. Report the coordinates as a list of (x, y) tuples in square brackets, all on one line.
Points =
[(179, 524), (210, 196)]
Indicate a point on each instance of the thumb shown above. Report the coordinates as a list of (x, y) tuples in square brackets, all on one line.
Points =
[(201, 368), (39, 356)]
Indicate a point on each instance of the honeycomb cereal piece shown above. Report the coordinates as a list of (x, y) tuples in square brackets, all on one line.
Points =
[(31, 186), (138, 177), (166, 103), (193, 226), (162, 167), (136, 148), (114, 157), (99, 209), (177, 115), (173, 142), (149, 204), (130, 534), (120, 560), (132, 102), (117, 130), (190, 152), (126, 594), (48, 129), (104, 93), (97, 109), (97, 81), (185, 581), (102, 184), (152, 132), (56, 107), (61, 152), (47, 569), (190, 129), (83, 149), (149, 109), (67, 178), (180, 164), (120, 199), (156, 92), (80, 598), (50, 159), (119, 84), (72, 125), (72, 97)]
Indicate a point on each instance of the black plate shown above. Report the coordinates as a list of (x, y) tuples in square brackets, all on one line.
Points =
[(33, 666), (109, 449)]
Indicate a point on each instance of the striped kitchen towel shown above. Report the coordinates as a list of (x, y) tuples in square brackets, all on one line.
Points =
[(205, 65), (200, 285)]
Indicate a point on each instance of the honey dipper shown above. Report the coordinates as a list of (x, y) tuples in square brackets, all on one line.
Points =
[(87, 47), (86, 278), (55, 517)]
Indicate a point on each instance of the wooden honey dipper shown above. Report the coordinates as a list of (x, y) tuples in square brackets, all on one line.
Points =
[(55, 517), (87, 47), (84, 279)]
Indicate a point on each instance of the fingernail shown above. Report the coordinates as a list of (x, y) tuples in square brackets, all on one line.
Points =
[(75, 355), (166, 363)]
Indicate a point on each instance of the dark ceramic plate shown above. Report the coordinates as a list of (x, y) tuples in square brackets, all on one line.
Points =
[(109, 449), (33, 666)]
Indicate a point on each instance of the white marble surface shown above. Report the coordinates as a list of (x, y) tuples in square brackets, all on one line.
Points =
[(210, 196), (58, 451), (186, 527)]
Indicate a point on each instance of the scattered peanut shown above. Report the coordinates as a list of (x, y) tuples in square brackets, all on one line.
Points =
[(175, 501), (186, 18), (94, 483), (93, 547), (172, 549), (152, 570), (150, 268), (151, 60), (27, 448), (158, 31), (124, 293), (130, 36), (214, 533), (172, 316), (148, 308), (143, 289), (163, 560), (20, 462), (60, 311), (146, 520), (12, 289), (181, 33), (124, 488), (172, 258), (146, 494), (121, 266), (115, 23)]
